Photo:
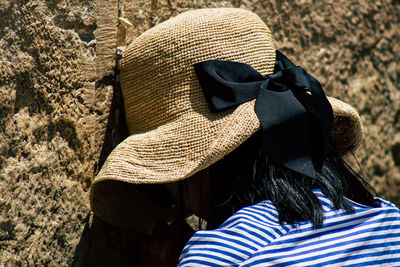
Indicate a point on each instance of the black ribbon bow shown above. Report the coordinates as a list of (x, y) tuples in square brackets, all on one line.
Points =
[(292, 136)]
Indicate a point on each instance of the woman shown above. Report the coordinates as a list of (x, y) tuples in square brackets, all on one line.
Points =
[(302, 221), (206, 83)]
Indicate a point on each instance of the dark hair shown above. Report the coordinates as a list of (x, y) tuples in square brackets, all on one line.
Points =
[(247, 176)]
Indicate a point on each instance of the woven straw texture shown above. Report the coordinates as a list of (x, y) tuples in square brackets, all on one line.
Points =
[(173, 133), (346, 130)]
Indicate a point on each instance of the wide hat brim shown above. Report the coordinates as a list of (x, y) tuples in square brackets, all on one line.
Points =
[(185, 146), (181, 148)]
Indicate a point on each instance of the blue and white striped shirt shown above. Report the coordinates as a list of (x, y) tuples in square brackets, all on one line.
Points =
[(253, 236)]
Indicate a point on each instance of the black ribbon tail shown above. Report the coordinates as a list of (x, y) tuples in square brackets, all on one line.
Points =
[(285, 128)]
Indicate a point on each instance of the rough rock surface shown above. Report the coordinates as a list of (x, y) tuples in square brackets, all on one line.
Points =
[(52, 123), (56, 76)]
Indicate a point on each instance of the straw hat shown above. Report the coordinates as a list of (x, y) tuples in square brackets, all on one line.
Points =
[(173, 134)]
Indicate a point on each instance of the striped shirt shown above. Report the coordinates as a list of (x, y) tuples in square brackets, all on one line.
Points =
[(253, 236)]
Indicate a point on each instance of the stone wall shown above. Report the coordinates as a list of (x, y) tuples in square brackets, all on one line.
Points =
[(59, 120), (52, 122)]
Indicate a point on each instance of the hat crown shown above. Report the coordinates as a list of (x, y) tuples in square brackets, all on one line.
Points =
[(157, 75)]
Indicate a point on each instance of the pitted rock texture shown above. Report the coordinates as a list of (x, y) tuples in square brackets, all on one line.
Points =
[(52, 123), (58, 123)]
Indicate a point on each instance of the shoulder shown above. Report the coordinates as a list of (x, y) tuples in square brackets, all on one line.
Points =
[(369, 235), (237, 239)]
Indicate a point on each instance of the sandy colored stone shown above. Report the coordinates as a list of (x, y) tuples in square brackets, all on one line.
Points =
[(59, 119), (52, 123)]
